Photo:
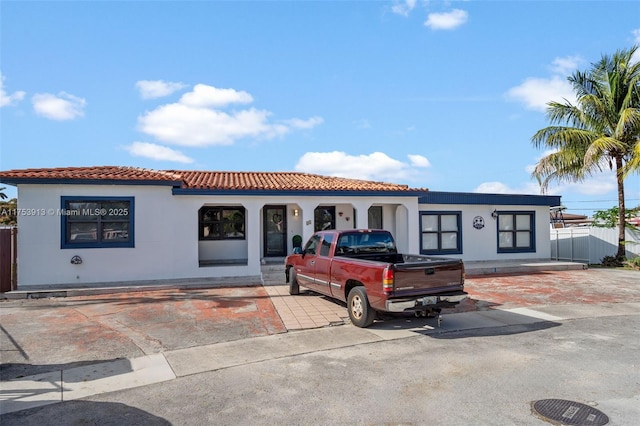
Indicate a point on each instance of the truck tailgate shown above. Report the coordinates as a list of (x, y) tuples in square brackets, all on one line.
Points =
[(421, 274)]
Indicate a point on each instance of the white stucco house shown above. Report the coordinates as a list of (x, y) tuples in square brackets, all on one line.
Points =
[(95, 225)]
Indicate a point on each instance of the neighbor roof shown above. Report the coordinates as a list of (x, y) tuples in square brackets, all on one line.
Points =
[(189, 181)]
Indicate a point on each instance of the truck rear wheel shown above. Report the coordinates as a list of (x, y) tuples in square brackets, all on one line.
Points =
[(294, 287), (360, 312)]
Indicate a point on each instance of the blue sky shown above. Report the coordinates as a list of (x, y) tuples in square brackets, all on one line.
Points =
[(438, 95)]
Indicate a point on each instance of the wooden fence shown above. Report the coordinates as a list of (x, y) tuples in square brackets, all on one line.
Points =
[(8, 259)]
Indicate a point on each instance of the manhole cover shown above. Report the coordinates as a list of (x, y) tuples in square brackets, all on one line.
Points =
[(561, 411)]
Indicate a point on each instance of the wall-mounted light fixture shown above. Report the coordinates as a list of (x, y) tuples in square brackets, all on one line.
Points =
[(76, 260), (340, 214), (295, 212), (494, 214)]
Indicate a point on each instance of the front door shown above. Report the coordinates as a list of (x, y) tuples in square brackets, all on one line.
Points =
[(275, 231)]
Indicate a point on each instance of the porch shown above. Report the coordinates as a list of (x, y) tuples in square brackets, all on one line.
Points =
[(237, 234)]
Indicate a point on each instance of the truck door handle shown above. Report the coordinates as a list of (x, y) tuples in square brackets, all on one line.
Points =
[(429, 271)]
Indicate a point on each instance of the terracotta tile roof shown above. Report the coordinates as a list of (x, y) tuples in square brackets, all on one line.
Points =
[(91, 173), (206, 180), (288, 181)]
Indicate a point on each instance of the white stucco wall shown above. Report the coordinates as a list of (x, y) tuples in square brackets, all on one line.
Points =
[(482, 244), (162, 238), (166, 234)]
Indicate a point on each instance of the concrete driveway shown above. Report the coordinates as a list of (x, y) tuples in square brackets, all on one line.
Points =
[(44, 335), (41, 335)]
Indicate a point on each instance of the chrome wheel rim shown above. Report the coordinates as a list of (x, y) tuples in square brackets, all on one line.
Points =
[(356, 307)]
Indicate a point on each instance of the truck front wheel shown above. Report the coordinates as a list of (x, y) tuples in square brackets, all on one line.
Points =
[(360, 312), (294, 287)]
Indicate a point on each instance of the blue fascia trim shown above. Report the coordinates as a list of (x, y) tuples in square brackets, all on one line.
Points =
[(492, 199), (36, 181), (257, 192)]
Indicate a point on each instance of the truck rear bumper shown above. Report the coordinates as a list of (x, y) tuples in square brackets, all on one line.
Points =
[(425, 303)]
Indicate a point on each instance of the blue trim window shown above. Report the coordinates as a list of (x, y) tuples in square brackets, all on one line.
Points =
[(516, 232), (97, 222), (441, 232)]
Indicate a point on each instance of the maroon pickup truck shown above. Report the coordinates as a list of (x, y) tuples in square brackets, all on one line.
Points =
[(363, 268)]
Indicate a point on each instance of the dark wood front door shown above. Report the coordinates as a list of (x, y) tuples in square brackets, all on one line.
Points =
[(274, 221)]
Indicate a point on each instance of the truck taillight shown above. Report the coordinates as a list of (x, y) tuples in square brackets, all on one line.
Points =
[(387, 280)]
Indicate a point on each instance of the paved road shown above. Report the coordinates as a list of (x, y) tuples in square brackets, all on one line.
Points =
[(522, 315), (481, 376)]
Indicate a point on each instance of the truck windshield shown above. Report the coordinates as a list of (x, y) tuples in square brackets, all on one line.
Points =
[(365, 243)]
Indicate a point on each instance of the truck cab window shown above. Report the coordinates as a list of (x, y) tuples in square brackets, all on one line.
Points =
[(325, 248), (312, 245)]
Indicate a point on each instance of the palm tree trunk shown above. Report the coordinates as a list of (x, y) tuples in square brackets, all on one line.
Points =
[(621, 209)]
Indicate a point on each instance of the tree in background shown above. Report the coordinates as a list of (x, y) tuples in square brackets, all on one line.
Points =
[(8, 212), (602, 131), (3, 196), (609, 218)]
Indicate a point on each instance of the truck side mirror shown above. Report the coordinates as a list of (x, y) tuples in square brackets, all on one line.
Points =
[(297, 250)]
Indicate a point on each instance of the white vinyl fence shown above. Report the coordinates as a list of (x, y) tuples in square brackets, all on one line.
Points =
[(590, 245)]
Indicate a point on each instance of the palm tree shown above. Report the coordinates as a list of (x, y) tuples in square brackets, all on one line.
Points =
[(601, 131), (2, 194)]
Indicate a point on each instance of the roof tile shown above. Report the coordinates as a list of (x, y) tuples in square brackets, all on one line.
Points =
[(211, 180), (92, 173)]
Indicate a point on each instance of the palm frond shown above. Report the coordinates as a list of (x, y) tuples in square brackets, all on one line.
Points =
[(561, 166), (570, 138), (602, 149), (633, 164)]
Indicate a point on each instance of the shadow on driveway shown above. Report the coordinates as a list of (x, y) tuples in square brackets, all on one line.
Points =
[(84, 413)]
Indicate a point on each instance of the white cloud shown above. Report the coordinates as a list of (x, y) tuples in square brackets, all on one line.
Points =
[(601, 184), (447, 20), (196, 119), (151, 89), (188, 126), (157, 152), (209, 96), (403, 7), (362, 124), (566, 65), (9, 99), (597, 185), (529, 188), (419, 161), (376, 166), (536, 93), (636, 40), (494, 188), (62, 106), (304, 124)]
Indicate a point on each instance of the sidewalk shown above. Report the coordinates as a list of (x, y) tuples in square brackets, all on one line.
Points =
[(80, 382), (64, 348)]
